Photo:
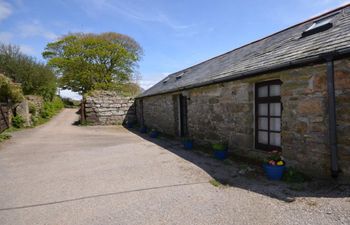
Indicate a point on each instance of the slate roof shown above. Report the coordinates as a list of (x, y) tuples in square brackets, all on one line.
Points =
[(280, 49)]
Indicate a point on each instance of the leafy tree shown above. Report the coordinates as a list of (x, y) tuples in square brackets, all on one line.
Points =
[(10, 90), (34, 77), (87, 62)]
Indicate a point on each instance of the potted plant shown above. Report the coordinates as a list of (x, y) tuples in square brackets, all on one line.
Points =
[(220, 151), (274, 166), (143, 129), (187, 143), (154, 133)]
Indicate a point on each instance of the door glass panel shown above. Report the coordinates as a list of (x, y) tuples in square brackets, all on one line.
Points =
[(275, 90), (275, 139), (262, 91), (263, 109), (262, 137), (275, 109), (275, 124), (263, 123)]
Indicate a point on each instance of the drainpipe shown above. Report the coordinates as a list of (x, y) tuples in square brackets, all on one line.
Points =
[(332, 117)]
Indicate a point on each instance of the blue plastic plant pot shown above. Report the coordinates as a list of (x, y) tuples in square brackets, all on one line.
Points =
[(143, 130), (153, 134), (188, 144), (220, 154), (273, 172)]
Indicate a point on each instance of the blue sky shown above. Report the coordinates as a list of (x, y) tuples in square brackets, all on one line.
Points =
[(173, 34)]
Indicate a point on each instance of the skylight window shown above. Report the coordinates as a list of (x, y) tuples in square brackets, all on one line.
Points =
[(166, 80), (319, 25), (179, 76)]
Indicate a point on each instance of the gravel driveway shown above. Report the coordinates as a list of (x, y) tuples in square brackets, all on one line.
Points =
[(59, 173)]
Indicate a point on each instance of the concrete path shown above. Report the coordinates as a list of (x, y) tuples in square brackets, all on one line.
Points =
[(59, 173)]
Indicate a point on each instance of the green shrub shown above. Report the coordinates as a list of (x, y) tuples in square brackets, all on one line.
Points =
[(70, 103), (291, 175), (51, 108), (35, 77), (18, 121), (215, 183), (4, 136), (35, 120), (32, 108), (219, 146), (9, 89)]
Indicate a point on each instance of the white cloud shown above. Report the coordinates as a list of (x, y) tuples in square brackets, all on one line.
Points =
[(5, 10), (6, 37), (36, 29), (146, 84), (132, 11), (26, 49), (70, 94), (68, 27)]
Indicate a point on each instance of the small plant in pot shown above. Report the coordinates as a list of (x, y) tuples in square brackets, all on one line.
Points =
[(154, 133), (187, 143), (274, 166), (220, 151)]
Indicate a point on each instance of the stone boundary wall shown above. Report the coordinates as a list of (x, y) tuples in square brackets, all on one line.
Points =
[(35, 104), (107, 108), (4, 118), (30, 107)]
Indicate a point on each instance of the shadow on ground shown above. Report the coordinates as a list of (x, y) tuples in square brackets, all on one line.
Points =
[(250, 176)]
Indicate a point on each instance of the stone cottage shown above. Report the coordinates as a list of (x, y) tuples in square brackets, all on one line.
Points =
[(289, 91)]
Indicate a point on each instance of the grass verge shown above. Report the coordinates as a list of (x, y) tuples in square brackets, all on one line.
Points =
[(215, 183)]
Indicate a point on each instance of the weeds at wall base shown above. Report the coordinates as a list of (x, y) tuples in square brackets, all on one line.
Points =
[(4, 136), (215, 183)]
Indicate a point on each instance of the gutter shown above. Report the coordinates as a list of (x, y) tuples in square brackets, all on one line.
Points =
[(291, 64), (332, 120)]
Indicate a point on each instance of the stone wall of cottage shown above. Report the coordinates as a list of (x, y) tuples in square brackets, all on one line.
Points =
[(159, 113), (342, 86), (108, 108), (139, 110), (305, 119), (225, 113), (222, 113)]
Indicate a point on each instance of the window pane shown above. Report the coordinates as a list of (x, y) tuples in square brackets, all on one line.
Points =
[(275, 139), (263, 109), (275, 109), (263, 123), (262, 91), (275, 124), (275, 90), (262, 137)]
